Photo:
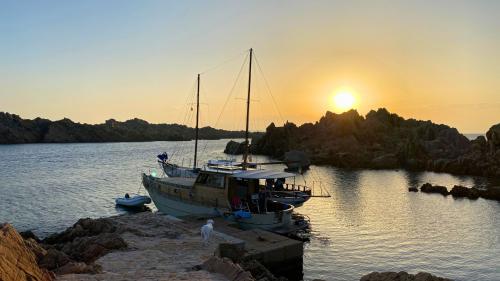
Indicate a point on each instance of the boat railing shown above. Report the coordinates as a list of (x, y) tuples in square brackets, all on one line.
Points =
[(296, 187), (316, 190)]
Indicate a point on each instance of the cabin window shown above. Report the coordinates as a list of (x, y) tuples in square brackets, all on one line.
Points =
[(214, 180)]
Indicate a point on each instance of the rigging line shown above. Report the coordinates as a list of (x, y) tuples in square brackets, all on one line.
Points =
[(224, 62), (269, 89), (186, 117), (230, 93)]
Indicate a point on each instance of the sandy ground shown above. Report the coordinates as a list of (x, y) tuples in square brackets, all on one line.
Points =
[(159, 248)]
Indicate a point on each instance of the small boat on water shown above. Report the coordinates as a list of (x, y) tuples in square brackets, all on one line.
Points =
[(137, 201)]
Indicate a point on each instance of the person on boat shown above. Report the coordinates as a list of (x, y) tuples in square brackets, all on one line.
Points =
[(263, 194), (279, 185), (127, 196), (269, 184), (236, 203)]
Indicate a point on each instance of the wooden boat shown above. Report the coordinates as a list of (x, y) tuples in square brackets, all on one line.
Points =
[(221, 192), (235, 190)]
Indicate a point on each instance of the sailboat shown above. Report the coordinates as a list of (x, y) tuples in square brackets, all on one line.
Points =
[(237, 192), (174, 170)]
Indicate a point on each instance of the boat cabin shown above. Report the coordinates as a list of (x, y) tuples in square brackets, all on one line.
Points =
[(248, 190)]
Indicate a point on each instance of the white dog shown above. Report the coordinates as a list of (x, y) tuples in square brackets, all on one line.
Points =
[(206, 231)]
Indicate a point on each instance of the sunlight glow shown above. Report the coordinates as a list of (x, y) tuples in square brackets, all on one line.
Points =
[(344, 100)]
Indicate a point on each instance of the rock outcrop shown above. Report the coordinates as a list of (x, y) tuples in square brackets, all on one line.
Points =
[(462, 191), (401, 276), (429, 188), (14, 129), (17, 260), (384, 140), (86, 241), (234, 148), (492, 193)]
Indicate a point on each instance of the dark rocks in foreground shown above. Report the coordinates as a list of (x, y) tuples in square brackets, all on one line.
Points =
[(384, 140), (86, 241), (18, 260), (458, 191), (402, 276), (72, 251), (15, 130)]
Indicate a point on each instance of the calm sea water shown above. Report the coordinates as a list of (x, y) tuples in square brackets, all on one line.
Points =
[(371, 222)]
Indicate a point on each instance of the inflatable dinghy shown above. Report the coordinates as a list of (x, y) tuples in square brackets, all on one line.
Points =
[(133, 202)]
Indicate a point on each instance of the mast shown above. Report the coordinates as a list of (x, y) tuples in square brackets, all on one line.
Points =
[(197, 118), (247, 144)]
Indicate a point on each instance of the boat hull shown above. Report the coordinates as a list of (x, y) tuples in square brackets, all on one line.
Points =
[(173, 205)]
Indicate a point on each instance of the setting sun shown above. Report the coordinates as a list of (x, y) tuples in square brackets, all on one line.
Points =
[(343, 100)]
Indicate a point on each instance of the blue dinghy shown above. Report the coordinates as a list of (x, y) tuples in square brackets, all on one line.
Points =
[(133, 202)]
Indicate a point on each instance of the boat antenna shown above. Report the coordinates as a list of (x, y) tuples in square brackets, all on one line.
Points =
[(247, 144), (197, 118)]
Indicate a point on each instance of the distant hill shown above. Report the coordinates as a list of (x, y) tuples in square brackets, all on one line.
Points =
[(384, 140), (15, 130)]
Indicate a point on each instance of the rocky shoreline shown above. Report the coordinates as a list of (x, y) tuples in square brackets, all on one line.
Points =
[(16, 130), (145, 246), (382, 140)]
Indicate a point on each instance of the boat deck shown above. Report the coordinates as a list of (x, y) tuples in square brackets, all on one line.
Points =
[(179, 181)]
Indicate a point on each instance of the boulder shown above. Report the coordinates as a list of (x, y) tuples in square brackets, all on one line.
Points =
[(17, 261), (429, 188), (53, 259), (235, 148), (413, 189), (78, 268), (29, 234), (462, 191), (401, 276), (83, 227), (88, 249), (38, 250)]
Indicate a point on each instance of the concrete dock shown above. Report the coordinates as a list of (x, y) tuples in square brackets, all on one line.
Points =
[(280, 254)]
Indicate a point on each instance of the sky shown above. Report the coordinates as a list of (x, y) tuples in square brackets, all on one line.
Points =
[(95, 60)]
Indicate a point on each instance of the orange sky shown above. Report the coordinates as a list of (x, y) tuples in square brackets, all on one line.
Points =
[(95, 60)]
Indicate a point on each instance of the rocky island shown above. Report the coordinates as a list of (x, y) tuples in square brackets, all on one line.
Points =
[(383, 140), (16, 130)]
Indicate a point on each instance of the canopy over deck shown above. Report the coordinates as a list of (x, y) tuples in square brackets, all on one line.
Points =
[(262, 174)]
